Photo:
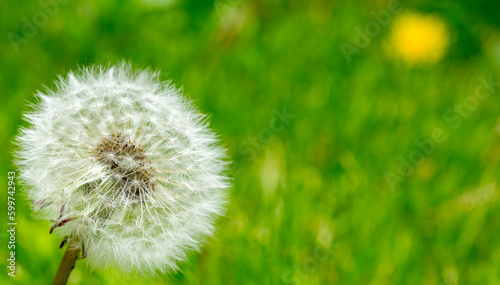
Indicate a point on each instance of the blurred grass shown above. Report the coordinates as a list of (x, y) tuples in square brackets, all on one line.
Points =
[(319, 183)]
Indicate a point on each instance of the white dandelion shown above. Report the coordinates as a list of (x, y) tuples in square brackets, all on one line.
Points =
[(125, 168)]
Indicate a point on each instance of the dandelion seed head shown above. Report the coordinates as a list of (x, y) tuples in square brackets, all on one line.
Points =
[(127, 163)]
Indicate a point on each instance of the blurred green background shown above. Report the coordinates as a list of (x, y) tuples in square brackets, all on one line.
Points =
[(311, 202)]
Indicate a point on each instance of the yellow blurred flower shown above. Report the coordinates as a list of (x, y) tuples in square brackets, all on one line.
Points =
[(419, 38)]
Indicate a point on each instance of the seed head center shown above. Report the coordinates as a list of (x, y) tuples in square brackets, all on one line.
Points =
[(129, 165)]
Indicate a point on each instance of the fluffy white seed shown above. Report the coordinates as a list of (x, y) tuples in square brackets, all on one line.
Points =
[(122, 162)]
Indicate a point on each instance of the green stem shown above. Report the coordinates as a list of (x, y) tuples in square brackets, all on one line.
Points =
[(67, 263)]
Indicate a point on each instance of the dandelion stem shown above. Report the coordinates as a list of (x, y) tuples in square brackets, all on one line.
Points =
[(67, 263)]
